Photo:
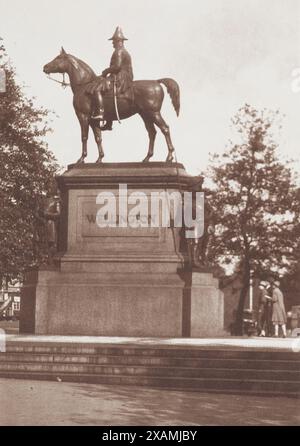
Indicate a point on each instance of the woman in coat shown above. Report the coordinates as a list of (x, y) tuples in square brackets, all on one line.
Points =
[(278, 314)]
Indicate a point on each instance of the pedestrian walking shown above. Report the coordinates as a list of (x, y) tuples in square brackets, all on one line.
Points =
[(264, 302), (278, 314)]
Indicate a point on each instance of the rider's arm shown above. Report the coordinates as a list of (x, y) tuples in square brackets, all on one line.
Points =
[(115, 64)]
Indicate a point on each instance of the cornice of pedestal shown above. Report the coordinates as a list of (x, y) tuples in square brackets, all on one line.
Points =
[(135, 175)]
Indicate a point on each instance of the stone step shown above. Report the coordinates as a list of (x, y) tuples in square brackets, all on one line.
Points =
[(185, 372), (265, 387), (167, 351), (213, 369), (231, 363)]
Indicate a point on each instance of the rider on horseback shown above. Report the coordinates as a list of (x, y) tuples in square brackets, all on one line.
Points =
[(119, 71), (143, 97)]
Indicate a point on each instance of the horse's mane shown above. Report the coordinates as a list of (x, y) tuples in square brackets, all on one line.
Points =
[(79, 63)]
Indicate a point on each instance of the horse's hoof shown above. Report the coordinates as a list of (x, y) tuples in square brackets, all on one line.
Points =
[(169, 159), (99, 160), (80, 161), (146, 160)]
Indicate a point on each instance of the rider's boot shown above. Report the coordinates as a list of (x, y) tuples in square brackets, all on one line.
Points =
[(99, 108), (98, 114)]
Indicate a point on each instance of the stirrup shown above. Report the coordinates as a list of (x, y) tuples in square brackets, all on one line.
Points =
[(99, 116)]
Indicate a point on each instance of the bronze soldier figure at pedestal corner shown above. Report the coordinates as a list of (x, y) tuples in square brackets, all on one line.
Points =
[(198, 246), (52, 211)]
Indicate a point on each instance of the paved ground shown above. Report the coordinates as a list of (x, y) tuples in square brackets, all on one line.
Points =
[(11, 329), (288, 344), (57, 403)]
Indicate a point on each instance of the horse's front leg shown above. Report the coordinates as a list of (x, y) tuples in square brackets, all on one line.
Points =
[(84, 124), (98, 138)]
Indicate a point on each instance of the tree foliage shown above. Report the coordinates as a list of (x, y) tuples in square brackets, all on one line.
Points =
[(254, 200), (27, 170)]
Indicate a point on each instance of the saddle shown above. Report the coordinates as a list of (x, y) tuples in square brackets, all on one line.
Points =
[(127, 94), (106, 87)]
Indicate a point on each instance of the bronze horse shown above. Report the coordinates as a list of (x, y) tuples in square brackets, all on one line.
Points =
[(147, 100)]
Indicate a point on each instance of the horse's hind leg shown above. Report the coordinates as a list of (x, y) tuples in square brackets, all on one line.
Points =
[(152, 134), (159, 121), (98, 138)]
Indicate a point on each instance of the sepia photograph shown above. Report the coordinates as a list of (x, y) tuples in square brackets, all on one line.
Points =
[(150, 216)]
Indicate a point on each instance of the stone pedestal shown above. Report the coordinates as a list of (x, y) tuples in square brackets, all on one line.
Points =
[(120, 281)]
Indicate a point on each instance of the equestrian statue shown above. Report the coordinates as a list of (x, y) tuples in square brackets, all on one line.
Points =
[(100, 100)]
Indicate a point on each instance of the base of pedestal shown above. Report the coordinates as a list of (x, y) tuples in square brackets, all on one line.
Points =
[(122, 304)]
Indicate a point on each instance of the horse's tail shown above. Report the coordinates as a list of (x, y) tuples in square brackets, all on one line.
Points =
[(173, 90)]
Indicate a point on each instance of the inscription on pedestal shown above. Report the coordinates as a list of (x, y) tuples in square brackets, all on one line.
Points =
[(91, 227)]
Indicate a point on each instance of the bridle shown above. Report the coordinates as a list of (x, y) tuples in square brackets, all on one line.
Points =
[(63, 83)]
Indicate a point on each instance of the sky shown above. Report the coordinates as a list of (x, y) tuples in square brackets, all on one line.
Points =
[(222, 53)]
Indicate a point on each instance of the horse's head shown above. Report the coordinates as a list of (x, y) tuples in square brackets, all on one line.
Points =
[(57, 65)]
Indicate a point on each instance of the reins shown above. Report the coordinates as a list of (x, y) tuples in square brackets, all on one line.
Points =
[(64, 84)]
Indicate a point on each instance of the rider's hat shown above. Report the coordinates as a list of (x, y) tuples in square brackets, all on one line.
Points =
[(118, 35)]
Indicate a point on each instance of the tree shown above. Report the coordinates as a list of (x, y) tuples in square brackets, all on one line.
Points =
[(253, 202), (27, 171), (291, 281)]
